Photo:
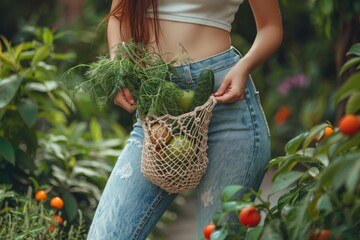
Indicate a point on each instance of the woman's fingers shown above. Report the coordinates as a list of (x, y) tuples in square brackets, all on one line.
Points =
[(125, 100), (128, 96), (223, 88), (229, 92)]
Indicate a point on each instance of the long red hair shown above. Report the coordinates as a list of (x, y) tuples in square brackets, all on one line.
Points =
[(134, 13)]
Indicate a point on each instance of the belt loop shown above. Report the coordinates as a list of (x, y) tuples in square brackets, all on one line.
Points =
[(237, 51)]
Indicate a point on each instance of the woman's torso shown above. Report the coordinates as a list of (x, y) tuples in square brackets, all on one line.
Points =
[(197, 27), (193, 40)]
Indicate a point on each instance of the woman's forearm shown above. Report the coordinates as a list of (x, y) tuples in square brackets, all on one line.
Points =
[(265, 44), (113, 35), (117, 29), (269, 34)]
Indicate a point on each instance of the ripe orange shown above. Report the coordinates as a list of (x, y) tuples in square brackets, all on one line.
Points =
[(322, 234), (41, 195), (58, 219), (249, 216), (57, 202), (349, 124), (208, 230), (327, 132), (283, 113)]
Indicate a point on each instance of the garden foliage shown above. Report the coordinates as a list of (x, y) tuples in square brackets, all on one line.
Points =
[(318, 180), (39, 144)]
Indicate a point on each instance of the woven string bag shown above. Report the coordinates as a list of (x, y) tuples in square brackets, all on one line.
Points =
[(174, 149)]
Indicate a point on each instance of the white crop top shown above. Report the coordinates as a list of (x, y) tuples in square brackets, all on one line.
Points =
[(215, 13)]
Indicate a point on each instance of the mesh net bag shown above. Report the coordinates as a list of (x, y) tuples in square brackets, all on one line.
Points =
[(174, 149)]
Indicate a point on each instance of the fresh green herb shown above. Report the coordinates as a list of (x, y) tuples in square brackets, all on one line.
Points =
[(143, 72)]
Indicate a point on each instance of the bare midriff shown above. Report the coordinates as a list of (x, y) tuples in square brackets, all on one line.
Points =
[(190, 40)]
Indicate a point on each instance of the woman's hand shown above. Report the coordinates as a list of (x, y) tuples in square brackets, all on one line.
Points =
[(268, 38), (125, 100), (233, 87)]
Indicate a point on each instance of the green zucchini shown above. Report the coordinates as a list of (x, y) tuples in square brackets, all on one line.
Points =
[(204, 88)]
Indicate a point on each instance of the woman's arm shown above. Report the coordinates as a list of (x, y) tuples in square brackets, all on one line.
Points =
[(115, 31), (268, 38)]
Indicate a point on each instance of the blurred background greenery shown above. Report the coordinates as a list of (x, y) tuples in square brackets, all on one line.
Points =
[(46, 142)]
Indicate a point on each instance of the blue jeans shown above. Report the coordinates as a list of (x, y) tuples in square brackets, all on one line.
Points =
[(239, 150)]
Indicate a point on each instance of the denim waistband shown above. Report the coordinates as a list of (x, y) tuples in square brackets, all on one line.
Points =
[(191, 71)]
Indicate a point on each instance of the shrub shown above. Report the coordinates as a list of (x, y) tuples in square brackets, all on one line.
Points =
[(321, 174), (22, 217)]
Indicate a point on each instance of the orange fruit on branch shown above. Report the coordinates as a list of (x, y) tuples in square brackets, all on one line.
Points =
[(58, 219), (41, 195), (57, 202), (322, 234), (208, 230), (249, 216), (327, 132), (349, 124)]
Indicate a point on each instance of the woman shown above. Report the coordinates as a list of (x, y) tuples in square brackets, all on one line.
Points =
[(239, 146)]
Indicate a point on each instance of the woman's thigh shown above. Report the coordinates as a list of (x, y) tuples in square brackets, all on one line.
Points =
[(130, 205), (239, 150)]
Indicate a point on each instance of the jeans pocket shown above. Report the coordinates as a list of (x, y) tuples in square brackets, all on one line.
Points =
[(257, 95)]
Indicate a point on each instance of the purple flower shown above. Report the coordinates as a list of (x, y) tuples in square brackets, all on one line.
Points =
[(297, 80)]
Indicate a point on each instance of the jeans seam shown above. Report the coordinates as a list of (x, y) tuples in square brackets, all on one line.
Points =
[(255, 130), (147, 215), (262, 113)]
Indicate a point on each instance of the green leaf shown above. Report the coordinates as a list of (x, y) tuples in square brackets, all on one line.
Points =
[(77, 130), (63, 56), (254, 234), (8, 88), (355, 49), (289, 162), (314, 172), (298, 218), (219, 234), (40, 54), (323, 159), (353, 177), (352, 105), (70, 206), (62, 34), (6, 59), (27, 109), (47, 86), (6, 42), (337, 173), (7, 151), (229, 192), (324, 203), (349, 87), (25, 55), (35, 183), (17, 51), (272, 231), (95, 130), (285, 180), (234, 206), (348, 144), (350, 63), (47, 37), (218, 217), (293, 145)]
